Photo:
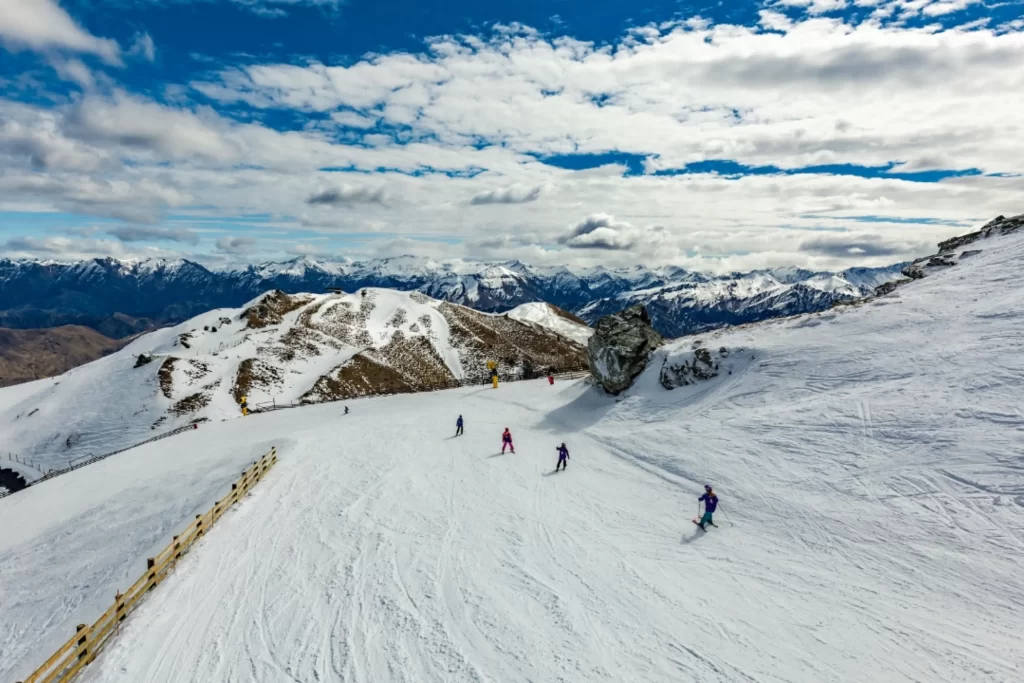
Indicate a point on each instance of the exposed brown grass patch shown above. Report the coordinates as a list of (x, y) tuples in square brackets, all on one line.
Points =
[(254, 374), (190, 404), (271, 309), (26, 355), (166, 376), (360, 376)]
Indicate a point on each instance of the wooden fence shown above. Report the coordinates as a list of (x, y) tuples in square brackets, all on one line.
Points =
[(84, 461), (67, 662)]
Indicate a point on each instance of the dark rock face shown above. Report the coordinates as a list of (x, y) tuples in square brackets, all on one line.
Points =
[(701, 366), (620, 348), (143, 359), (949, 251)]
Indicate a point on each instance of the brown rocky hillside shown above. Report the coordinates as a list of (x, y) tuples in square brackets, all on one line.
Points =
[(26, 355)]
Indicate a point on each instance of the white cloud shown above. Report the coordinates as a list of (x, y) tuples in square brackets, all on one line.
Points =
[(74, 71), (146, 233), (481, 112), (143, 46), (937, 9), (603, 231), (347, 195), (688, 94), (516, 194), (43, 25), (352, 120), (235, 245), (774, 21), (815, 7)]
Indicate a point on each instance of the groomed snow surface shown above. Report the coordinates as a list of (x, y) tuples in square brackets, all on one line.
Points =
[(869, 463)]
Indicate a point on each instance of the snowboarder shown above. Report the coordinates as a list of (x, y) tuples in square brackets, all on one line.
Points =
[(710, 501), (563, 457), (346, 410), (506, 441), (458, 426)]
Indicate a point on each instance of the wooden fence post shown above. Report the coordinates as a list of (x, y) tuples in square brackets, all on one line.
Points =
[(84, 651), (119, 613), (151, 573)]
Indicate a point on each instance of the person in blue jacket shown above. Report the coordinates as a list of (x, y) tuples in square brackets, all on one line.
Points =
[(710, 501), (563, 457), (458, 426)]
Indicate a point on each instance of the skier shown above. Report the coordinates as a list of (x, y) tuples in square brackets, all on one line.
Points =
[(458, 426), (551, 378), (506, 440), (710, 501), (346, 410), (563, 457)]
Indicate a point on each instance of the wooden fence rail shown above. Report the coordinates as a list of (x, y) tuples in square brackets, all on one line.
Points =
[(68, 661)]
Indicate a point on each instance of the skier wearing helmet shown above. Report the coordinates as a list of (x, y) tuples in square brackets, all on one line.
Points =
[(710, 501)]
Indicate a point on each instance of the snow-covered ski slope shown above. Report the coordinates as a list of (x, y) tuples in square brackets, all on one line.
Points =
[(870, 463)]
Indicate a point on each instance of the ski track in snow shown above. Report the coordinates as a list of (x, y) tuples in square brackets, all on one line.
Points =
[(869, 463)]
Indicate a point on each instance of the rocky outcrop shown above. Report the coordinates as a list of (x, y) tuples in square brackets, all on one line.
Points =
[(701, 365), (950, 250), (620, 348)]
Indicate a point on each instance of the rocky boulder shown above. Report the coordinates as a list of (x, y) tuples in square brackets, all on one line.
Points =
[(620, 348), (699, 365)]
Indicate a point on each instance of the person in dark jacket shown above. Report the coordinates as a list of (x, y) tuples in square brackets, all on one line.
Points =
[(506, 441), (563, 457), (458, 426), (710, 501)]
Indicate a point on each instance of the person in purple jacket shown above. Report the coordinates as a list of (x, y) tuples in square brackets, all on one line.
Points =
[(710, 501)]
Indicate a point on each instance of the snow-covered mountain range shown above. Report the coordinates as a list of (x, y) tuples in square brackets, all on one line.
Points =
[(303, 348), (120, 298)]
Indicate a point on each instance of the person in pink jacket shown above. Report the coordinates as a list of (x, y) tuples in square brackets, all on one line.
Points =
[(506, 441)]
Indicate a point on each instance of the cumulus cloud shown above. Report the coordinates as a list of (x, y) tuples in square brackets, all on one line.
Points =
[(136, 233), (347, 195), (602, 231), (516, 194), (235, 245), (43, 25)]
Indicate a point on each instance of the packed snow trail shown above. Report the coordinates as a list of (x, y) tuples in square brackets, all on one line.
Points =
[(381, 549)]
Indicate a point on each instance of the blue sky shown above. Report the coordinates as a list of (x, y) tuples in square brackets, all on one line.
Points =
[(716, 136)]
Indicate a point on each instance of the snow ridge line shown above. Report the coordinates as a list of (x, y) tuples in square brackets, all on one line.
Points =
[(66, 663), (96, 458)]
